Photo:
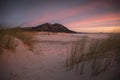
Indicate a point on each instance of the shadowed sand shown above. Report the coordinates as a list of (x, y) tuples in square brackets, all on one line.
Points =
[(46, 60)]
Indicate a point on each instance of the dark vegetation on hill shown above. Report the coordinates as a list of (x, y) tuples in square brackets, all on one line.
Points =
[(47, 27)]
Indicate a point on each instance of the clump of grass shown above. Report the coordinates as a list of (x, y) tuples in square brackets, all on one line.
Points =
[(76, 57), (8, 36), (27, 38), (100, 54), (6, 41), (103, 52)]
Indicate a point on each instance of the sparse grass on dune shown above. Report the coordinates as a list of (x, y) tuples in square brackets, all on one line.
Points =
[(100, 55), (75, 57), (25, 37), (8, 36)]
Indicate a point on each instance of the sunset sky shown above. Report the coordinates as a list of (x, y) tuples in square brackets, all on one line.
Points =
[(78, 15)]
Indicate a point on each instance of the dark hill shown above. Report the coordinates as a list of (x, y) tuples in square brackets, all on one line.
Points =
[(47, 27)]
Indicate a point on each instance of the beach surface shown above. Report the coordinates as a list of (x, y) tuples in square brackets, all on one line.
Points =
[(46, 60)]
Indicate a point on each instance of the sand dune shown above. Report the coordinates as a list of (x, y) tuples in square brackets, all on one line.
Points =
[(46, 61)]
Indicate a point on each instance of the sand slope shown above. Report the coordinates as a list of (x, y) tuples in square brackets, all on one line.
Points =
[(47, 62)]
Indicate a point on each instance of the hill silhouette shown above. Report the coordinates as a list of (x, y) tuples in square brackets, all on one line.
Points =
[(47, 27)]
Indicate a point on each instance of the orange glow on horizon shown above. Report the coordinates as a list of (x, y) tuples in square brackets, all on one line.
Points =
[(97, 29)]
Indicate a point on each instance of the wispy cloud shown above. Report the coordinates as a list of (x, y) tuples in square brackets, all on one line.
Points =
[(96, 20), (74, 14), (65, 14)]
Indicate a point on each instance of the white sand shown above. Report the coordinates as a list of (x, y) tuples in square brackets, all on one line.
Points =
[(48, 61)]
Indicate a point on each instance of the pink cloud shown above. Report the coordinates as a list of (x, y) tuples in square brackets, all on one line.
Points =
[(65, 13), (94, 20)]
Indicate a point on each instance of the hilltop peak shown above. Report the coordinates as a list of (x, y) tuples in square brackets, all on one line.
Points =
[(47, 27)]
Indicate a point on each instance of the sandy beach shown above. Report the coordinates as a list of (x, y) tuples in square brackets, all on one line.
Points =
[(47, 59)]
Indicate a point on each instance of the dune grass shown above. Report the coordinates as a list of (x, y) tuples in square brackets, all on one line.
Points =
[(99, 55), (8, 36)]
